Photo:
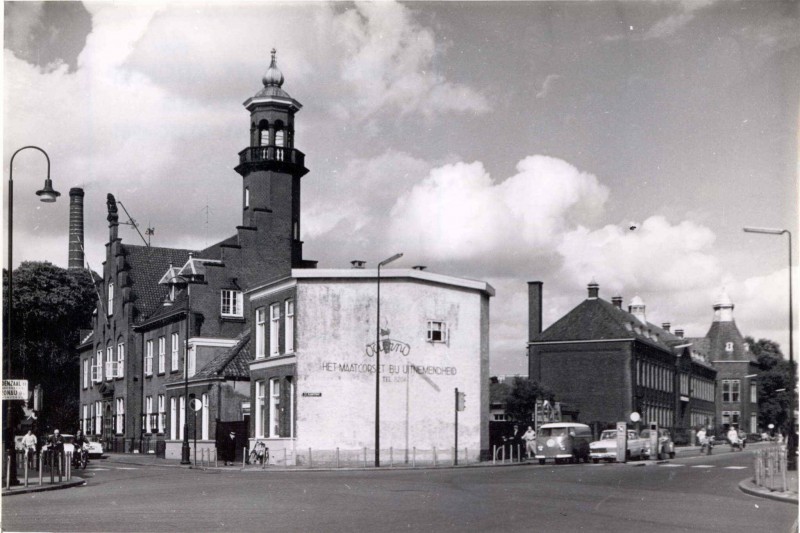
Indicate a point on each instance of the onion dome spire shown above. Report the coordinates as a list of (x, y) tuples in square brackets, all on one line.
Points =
[(273, 76)]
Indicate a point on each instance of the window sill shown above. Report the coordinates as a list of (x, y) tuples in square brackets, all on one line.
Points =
[(232, 318)]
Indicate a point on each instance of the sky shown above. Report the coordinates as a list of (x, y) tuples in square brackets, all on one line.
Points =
[(506, 142)]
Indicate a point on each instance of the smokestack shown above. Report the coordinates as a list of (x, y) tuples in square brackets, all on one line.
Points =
[(75, 257), (534, 309)]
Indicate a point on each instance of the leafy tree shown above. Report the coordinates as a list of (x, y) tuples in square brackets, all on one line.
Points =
[(776, 374), (50, 306), (521, 399)]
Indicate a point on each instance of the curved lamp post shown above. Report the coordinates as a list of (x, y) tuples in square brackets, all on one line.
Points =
[(792, 443), (378, 365), (46, 194)]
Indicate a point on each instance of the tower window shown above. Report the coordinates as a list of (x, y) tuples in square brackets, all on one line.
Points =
[(279, 138), (246, 197), (264, 141), (728, 346)]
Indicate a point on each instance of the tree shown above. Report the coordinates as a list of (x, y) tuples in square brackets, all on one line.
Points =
[(51, 305), (521, 399), (774, 404)]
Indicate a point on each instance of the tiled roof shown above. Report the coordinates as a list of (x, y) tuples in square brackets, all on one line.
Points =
[(85, 336), (232, 363), (147, 266), (719, 334), (213, 251), (597, 319)]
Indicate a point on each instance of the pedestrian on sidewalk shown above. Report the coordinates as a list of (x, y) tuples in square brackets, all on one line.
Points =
[(530, 442), (29, 445), (226, 448)]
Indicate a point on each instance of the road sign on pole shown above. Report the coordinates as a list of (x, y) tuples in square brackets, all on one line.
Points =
[(15, 389)]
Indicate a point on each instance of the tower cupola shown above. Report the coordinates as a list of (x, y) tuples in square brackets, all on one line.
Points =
[(723, 308), (637, 309), (273, 76)]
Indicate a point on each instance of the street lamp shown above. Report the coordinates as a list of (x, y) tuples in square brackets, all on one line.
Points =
[(48, 195), (188, 279), (378, 364), (792, 444)]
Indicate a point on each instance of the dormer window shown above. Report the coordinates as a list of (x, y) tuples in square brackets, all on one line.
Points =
[(728, 346), (231, 303)]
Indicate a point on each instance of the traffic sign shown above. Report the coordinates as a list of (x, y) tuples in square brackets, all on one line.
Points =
[(15, 389), (195, 404)]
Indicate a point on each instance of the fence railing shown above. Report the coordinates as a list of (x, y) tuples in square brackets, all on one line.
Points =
[(770, 468), (360, 458), (34, 466)]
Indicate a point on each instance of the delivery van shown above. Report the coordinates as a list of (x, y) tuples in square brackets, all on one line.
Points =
[(563, 442)]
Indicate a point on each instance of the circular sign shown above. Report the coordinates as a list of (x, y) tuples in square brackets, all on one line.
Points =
[(196, 405), (771, 426), (635, 417)]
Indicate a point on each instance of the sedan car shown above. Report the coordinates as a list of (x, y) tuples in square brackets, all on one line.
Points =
[(665, 444), (606, 447), (95, 449)]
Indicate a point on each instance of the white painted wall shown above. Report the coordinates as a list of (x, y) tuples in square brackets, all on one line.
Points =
[(336, 320)]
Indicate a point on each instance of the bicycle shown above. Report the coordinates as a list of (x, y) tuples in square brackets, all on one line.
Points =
[(259, 454)]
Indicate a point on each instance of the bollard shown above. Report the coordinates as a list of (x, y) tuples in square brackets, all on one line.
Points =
[(26, 469), (40, 468), (434, 456), (244, 456), (60, 468), (309, 458), (51, 462), (494, 454), (391, 457), (455, 458), (8, 471), (67, 465), (414, 457), (466, 457), (337, 457), (285, 463), (365, 456)]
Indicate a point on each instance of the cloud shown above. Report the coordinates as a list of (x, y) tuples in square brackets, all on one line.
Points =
[(673, 23), (460, 213)]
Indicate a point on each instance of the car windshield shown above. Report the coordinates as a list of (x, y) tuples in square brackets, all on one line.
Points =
[(552, 432), (610, 434)]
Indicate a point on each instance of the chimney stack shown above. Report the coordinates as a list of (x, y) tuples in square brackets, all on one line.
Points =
[(357, 263), (617, 301), (679, 333), (594, 290), (75, 256), (534, 309), (665, 326), (419, 267)]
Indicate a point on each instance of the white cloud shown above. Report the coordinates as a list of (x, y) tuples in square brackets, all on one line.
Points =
[(673, 23)]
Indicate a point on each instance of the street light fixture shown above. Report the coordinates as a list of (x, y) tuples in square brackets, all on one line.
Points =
[(378, 364), (792, 444), (48, 195)]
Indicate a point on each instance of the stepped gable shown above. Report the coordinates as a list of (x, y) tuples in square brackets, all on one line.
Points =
[(147, 265), (597, 319), (215, 250)]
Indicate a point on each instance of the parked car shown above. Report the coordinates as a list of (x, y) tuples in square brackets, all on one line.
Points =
[(563, 441), (606, 447), (95, 449), (665, 444)]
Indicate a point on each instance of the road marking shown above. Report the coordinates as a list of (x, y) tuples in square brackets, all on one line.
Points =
[(96, 469), (126, 468), (703, 466), (735, 467), (670, 465)]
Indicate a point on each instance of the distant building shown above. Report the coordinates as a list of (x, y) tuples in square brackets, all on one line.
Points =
[(607, 363), (737, 369)]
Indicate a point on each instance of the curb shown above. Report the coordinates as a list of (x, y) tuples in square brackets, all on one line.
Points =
[(74, 482), (747, 487)]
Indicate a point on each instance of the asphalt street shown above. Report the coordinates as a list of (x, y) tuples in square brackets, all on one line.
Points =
[(696, 493)]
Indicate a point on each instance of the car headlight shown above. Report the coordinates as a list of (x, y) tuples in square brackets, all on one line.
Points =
[(540, 448)]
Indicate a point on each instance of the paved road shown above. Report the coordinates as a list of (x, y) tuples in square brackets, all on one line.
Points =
[(687, 494)]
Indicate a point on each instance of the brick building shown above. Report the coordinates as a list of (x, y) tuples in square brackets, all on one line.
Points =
[(737, 369), (606, 363), (169, 316)]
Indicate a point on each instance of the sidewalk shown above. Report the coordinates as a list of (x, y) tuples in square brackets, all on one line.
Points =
[(33, 486), (748, 486)]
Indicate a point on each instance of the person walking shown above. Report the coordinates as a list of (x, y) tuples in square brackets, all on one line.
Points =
[(227, 449), (29, 443), (530, 442)]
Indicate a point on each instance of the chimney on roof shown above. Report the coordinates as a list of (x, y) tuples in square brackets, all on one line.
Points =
[(357, 263), (594, 290), (637, 309), (75, 255), (665, 326), (419, 267), (534, 309), (617, 301), (679, 333)]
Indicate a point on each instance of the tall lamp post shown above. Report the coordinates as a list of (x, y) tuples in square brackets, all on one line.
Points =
[(48, 195), (792, 444), (378, 364)]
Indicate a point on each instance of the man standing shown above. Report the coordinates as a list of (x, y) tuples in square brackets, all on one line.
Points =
[(29, 445), (57, 449)]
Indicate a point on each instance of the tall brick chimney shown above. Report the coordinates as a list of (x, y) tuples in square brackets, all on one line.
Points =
[(75, 257), (534, 309)]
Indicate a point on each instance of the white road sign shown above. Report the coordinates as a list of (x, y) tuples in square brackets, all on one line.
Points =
[(15, 389)]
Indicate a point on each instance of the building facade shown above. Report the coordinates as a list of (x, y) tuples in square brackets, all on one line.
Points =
[(171, 324), (606, 363), (737, 370), (313, 374)]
